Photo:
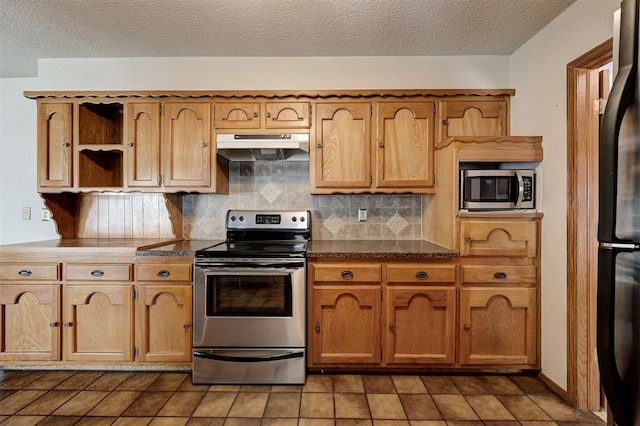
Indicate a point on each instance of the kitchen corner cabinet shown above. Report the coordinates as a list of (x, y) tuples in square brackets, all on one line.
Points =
[(474, 117), (256, 115), (163, 311), (30, 317), (346, 159)]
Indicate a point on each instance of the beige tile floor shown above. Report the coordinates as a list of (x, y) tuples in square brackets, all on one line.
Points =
[(153, 398)]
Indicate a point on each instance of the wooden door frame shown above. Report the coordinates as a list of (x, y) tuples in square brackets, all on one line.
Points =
[(583, 381)]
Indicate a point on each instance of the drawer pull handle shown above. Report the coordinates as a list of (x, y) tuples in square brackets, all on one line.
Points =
[(163, 273), (97, 273), (317, 328), (268, 114), (500, 276), (25, 272), (255, 115), (346, 275), (54, 324), (68, 324), (422, 275), (186, 326)]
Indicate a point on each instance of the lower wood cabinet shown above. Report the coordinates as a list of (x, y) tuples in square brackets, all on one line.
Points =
[(98, 322), (498, 325)]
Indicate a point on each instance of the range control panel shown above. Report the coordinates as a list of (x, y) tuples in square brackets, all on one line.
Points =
[(257, 219)]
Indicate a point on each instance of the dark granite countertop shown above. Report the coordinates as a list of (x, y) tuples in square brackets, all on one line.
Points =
[(387, 249), (177, 248)]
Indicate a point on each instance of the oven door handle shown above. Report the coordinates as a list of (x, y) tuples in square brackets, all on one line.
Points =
[(249, 265), (230, 358)]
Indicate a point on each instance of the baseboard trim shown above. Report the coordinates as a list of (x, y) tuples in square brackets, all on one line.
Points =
[(554, 387)]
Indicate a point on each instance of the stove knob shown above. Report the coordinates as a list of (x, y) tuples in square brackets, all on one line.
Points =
[(293, 219), (301, 218), (233, 218), (241, 218)]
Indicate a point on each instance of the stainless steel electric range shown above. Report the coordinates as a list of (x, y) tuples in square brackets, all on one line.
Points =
[(250, 299)]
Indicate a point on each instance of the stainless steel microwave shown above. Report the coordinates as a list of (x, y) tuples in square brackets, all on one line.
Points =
[(497, 189)]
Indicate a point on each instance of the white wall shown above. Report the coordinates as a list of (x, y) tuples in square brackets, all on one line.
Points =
[(538, 73), (18, 114)]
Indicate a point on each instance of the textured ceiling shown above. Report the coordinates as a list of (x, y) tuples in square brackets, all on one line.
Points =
[(32, 29)]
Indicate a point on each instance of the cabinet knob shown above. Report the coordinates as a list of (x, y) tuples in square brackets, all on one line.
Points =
[(468, 239), (268, 114), (346, 275), (255, 115), (445, 122), (67, 325), (54, 324), (317, 327), (97, 273), (204, 144), (422, 275), (392, 328), (467, 328), (163, 273), (319, 145), (186, 326), (500, 276), (65, 144), (129, 144), (24, 272), (381, 144)]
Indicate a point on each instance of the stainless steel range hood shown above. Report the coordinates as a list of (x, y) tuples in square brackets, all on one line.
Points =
[(242, 147)]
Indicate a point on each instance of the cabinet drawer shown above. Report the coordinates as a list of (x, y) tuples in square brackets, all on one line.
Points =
[(163, 272), (498, 237), (346, 273), (421, 274), (99, 272), (472, 274), (30, 272)]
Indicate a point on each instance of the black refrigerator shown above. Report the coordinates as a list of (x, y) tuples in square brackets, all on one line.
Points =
[(618, 297)]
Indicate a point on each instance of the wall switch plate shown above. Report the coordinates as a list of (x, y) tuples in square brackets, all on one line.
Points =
[(362, 215), (26, 213), (45, 215)]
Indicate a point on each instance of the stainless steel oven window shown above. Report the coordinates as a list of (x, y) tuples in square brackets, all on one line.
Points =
[(248, 295)]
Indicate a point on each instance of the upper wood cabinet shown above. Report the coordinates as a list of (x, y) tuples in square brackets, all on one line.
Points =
[(346, 159), (55, 140), (186, 144), (404, 152), (477, 117), (262, 115), (341, 157), (142, 144)]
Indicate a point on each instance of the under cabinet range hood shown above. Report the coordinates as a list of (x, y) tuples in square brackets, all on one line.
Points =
[(242, 147)]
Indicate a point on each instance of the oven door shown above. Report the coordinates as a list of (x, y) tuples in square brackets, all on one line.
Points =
[(244, 305)]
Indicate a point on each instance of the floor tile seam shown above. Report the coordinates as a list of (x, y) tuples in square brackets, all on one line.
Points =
[(76, 392), (141, 395)]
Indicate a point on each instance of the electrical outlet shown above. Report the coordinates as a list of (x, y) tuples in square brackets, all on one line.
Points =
[(362, 215), (26, 213), (45, 215)]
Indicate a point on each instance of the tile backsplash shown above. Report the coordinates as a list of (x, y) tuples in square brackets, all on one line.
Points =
[(284, 185)]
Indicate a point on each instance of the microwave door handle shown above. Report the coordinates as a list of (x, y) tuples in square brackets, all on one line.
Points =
[(520, 195)]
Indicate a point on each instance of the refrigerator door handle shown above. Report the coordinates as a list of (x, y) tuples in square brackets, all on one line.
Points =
[(605, 324), (621, 97)]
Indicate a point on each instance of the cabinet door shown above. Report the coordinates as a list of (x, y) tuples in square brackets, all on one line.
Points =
[(342, 154), (98, 322), (346, 325), (142, 144), (237, 115), (286, 115), (474, 118), (30, 322), (55, 131), (498, 326), (404, 150), (186, 144), (480, 237), (163, 322), (420, 326)]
